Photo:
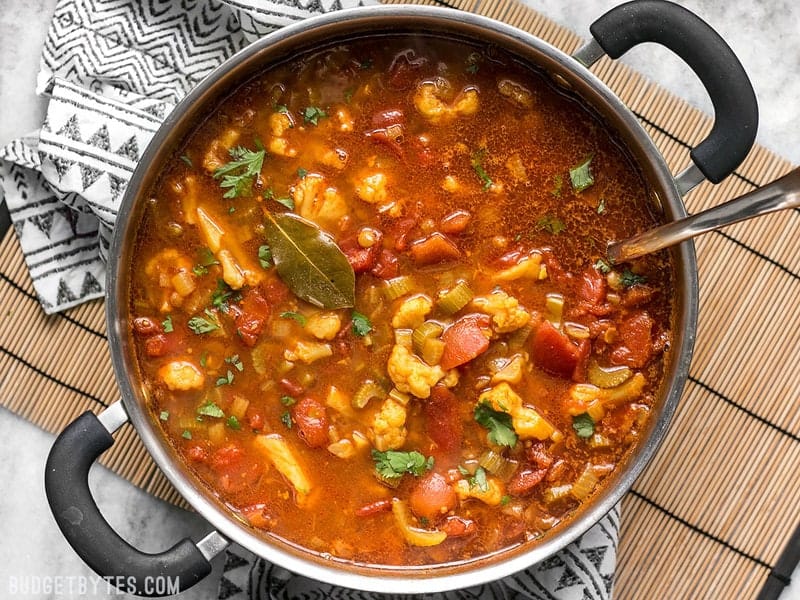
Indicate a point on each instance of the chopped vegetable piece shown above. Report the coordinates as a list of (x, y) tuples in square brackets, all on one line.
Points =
[(478, 480), (294, 316), (226, 380), (286, 419), (456, 298), (368, 390), (233, 423), (164, 415), (464, 340), (413, 535), (498, 423), (477, 165), (497, 464), (210, 409), (187, 435), (583, 425), (553, 351), (585, 483), (287, 400), (629, 278), (361, 324), (602, 265), (201, 325), (312, 114), (398, 286), (284, 460), (581, 176), (558, 183)]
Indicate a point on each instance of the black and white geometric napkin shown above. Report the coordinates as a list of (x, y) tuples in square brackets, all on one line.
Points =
[(112, 70)]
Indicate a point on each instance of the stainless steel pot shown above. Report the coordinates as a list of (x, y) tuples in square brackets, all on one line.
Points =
[(617, 31)]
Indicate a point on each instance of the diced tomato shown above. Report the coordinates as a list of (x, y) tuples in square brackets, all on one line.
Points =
[(434, 248), (388, 117), (374, 508), (291, 387), (226, 457), (635, 345), (524, 480), (455, 222), (638, 295), (275, 291), (537, 454), (432, 497), (464, 340), (197, 453), (255, 421), (443, 424), (592, 286), (400, 230), (145, 326), (403, 69), (360, 258), (392, 136), (251, 316), (421, 151), (312, 422), (156, 345), (553, 351), (455, 526), (386, 266)]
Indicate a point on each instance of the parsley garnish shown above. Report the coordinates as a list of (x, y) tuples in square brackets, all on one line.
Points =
[(187, 435), (282, 108), (287, 400), (602, 265), (498, 423), (265, 256), (233, 423), (248, 164), (301, 320), (361, 324), (236, 362), (223, 293), (478, 480), (558, 182), (505, 500), (187, 160), (477, 165), (226, 380), (393, 463), (200, 325), (313, 114), (551, 224), (164, 415), (581, 176), (167, 324), (583, 425), (629, 278), (209, 409), (301, 173), (207, 259), (286, 419), (285, 200)]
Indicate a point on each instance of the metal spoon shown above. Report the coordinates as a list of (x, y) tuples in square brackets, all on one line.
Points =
[(778, 195)]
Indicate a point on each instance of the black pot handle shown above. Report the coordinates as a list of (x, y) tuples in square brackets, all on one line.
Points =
[(90, 535), (709, 56)]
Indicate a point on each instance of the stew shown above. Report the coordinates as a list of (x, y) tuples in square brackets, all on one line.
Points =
[(372, 310)]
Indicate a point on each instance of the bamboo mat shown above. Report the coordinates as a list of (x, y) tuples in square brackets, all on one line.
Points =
[(714, 514)]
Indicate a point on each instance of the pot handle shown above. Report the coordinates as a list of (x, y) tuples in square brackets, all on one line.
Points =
[(76, 513), (708, 55)]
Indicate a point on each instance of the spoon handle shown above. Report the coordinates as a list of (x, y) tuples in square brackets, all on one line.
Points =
[(778, 195)]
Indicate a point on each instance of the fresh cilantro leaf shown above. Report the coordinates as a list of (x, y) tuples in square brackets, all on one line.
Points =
[(282, 108), (231, 210), (601, 206), (312, 114), (205, 259), (361, 324), (233, 423), (226, 380), (221, 296), (286, 419), (187, 435), (265, 256), (602, 265), (301, 320), (200, 325), (236, 362), (629, 278), (583, 425), (551, 224), (505, 500), (558, 183), (287, 400), (187, 160), (210, 409), (581, 176), (478, 480), (286, 201), (477, 165), (164, 415), (238, 175), (200, 270), (167, 324), (498, 423), (301, 173), (393, 463)]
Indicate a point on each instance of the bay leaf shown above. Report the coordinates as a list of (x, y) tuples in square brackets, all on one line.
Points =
[(309, 261)]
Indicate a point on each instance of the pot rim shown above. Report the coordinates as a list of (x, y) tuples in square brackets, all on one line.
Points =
[(406, 579)]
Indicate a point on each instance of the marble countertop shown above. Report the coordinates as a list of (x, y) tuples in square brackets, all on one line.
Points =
[(765, 34)]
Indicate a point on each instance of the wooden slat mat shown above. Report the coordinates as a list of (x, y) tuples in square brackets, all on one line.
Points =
[(716, 510)]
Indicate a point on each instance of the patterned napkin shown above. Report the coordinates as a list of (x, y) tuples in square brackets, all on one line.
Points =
[(113, 69)]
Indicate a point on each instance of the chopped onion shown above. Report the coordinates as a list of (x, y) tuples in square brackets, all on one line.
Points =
[(585, 483)]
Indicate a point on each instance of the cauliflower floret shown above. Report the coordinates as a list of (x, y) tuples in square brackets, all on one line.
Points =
[(527, 267), (372, 188), (388, 430), (511, 371), (430, 105), (172, 271), (412, 312), (181, 375), (217, 153), (492, 495), (308, 352), (324, 325), (527, 423), (315, 202), (279, 146), (280, 122), (506, 313), (410, 374)]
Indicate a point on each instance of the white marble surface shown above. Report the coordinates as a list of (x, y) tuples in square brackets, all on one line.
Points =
[(764, 33)]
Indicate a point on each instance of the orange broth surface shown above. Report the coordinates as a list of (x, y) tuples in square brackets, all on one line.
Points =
[(494, 370)]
